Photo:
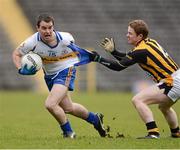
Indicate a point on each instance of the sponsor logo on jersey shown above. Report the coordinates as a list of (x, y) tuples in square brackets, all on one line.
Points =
[(47, 60)]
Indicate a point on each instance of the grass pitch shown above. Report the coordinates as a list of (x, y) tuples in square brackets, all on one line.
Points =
[(26, 124)]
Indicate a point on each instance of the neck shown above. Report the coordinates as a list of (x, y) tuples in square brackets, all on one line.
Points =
[(137, 43)]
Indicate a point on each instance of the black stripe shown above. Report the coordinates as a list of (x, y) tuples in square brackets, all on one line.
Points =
[(158, 62), (150, 73), (158, 73), (153, 42), (161, 54)]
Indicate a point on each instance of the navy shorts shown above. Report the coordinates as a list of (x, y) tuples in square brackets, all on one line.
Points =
[(65, 77)]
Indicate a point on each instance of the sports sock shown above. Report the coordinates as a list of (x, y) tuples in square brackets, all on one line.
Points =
[(152, 128), (92, 118), (174, 130), (175, 133), (66, 128)]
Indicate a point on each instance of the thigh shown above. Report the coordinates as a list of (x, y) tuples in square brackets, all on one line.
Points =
[(66, 103), (152, 95), (57, 93), (166, 104), (66, 78)]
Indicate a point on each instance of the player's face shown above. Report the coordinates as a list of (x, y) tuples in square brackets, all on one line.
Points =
[(132, 37), (46, 30)]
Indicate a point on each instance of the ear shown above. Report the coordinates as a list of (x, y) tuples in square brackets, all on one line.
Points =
[(140, 36), (37, 27)]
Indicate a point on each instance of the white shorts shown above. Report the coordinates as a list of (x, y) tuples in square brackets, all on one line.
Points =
[(172, 92)]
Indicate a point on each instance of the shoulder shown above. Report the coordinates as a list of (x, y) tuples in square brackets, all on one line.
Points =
[(141, 45), (67, 36), (32, 40), (139, 51), (29, 43)]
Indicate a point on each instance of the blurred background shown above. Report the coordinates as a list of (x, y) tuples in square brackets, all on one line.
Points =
[(89, 21)]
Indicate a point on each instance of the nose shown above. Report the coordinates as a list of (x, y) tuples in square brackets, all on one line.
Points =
[(47, 31)]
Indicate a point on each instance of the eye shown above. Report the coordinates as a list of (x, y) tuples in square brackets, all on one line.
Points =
[(50, 27), (43, 28)]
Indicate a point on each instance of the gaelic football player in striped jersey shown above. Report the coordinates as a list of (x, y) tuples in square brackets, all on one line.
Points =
[(156, 62)]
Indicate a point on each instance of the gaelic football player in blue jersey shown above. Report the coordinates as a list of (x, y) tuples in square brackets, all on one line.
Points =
[(60, 57)]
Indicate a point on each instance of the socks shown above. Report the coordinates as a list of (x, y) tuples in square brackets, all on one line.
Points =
[(93, 119), (174, 130), (152, 128), (66, 128)]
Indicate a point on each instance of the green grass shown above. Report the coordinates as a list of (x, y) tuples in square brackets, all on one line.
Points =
[(25, 123)]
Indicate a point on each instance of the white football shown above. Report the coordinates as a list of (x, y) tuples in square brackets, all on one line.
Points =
[(31, 59)]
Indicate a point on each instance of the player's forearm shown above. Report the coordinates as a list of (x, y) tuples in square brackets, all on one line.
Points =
[(16, 59), (118, 55), (111, 64)]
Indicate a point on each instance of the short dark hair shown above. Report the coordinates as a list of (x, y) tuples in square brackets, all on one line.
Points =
[(140, 27), (44, 17)]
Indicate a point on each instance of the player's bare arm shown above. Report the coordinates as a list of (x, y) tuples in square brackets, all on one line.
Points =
[(16, 55)]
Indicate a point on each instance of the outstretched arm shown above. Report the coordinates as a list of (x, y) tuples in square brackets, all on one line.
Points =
[(113, 64)]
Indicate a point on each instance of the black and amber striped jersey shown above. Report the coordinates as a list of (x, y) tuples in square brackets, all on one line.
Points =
[(154, 60), (151, 57)]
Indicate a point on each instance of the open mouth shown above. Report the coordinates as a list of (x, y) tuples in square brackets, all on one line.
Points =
[(47, 35)]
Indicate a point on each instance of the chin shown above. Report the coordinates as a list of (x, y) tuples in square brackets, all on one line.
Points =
[(47, 38)]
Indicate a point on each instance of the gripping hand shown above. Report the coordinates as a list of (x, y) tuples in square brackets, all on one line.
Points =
[(95, 56), (25, 71), (108, 44)]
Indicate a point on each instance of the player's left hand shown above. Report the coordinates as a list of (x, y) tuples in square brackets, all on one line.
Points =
[(25, 71), (108, 44)]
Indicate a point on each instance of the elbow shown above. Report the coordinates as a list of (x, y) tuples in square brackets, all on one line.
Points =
[(115, 68), (16, 57), (13, 56), (118, 69)]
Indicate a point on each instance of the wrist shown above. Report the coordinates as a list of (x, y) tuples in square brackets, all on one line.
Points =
[(99, 59), (113, 51), (20, 71)]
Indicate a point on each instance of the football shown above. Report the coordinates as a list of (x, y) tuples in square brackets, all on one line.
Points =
[(31, 59)]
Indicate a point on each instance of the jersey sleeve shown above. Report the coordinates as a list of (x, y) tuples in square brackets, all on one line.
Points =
[(124, 62), (138, 56), (28, 45), (118, 55), (117, 65)]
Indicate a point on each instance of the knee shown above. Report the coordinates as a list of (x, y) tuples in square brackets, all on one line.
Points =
[(163, 108), (135, 101), (50, 106)]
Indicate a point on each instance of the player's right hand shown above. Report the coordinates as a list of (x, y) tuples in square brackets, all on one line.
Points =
[(25, 71), (108, 44)]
